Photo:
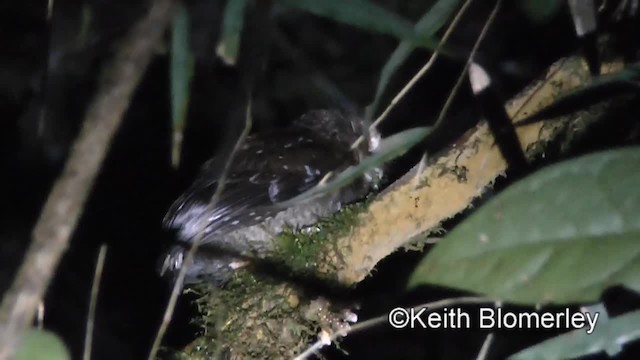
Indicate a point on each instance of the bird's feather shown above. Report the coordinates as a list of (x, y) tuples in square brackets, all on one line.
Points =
[(266, 170)]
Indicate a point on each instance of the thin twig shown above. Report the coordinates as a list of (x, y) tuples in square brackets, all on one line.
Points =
[(200, 230), (60, 214), (367, 324), (484, 351), (396, 99), (95, 289), (425, 68), (486, 345), (325, 179), (463, 74)]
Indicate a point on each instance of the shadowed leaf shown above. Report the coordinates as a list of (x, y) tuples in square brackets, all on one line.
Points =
[(365, 15), (608, 336), (626, 81), (540, 11), (42, 345), (231, 30), (388, 149), (426, 27), (561, 235), (180, 73)]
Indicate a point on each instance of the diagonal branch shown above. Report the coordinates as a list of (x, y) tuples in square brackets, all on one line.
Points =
[(63, 208)]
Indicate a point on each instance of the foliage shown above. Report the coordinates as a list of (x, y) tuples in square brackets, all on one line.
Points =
[(42, 345), (608, 337), (540, 10), (623, 82), (181, 71), (366, 15), (231, 30), (562, 235), (427, 26)]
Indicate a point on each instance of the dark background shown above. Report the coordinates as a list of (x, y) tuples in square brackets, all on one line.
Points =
[(48, 74)]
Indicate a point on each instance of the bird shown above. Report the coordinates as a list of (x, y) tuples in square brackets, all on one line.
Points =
[(268, 169)]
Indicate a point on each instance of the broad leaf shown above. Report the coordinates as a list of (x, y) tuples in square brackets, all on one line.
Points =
[(388, 149), (561, 235), (42, 345), (609, 336)]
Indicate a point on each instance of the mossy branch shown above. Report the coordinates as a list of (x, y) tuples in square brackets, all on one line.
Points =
[(447, 185), (353, 242)]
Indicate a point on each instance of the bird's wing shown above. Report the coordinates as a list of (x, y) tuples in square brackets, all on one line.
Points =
[(253, 186)]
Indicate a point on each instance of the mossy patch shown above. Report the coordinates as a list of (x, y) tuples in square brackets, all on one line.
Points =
[(250, 318), (257, 316), (309, 251)]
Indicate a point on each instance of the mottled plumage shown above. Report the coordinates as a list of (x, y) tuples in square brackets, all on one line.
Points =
[(268, 169)]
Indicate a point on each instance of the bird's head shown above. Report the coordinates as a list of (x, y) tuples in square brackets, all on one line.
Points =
[(350, 132)]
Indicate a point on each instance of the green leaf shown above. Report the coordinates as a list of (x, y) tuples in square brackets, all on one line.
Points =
[(540, 11), (608, 336), (561, 235), (180, 73), (231, 30), (365, 15), (389, 148), (623, 82), (426, 27), (42, 345)]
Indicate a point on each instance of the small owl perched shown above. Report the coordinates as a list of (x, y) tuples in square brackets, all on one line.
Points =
[(268, 169)]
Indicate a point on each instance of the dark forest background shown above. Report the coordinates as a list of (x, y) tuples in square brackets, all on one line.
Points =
[(49, 69)]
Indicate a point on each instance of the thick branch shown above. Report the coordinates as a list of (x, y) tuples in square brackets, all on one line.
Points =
[(65, 203), (451, 181)]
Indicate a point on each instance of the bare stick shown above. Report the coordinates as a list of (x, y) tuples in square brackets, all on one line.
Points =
[(367, 324), (95, 288), (59, 217), (200, 230), (426, 66)]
